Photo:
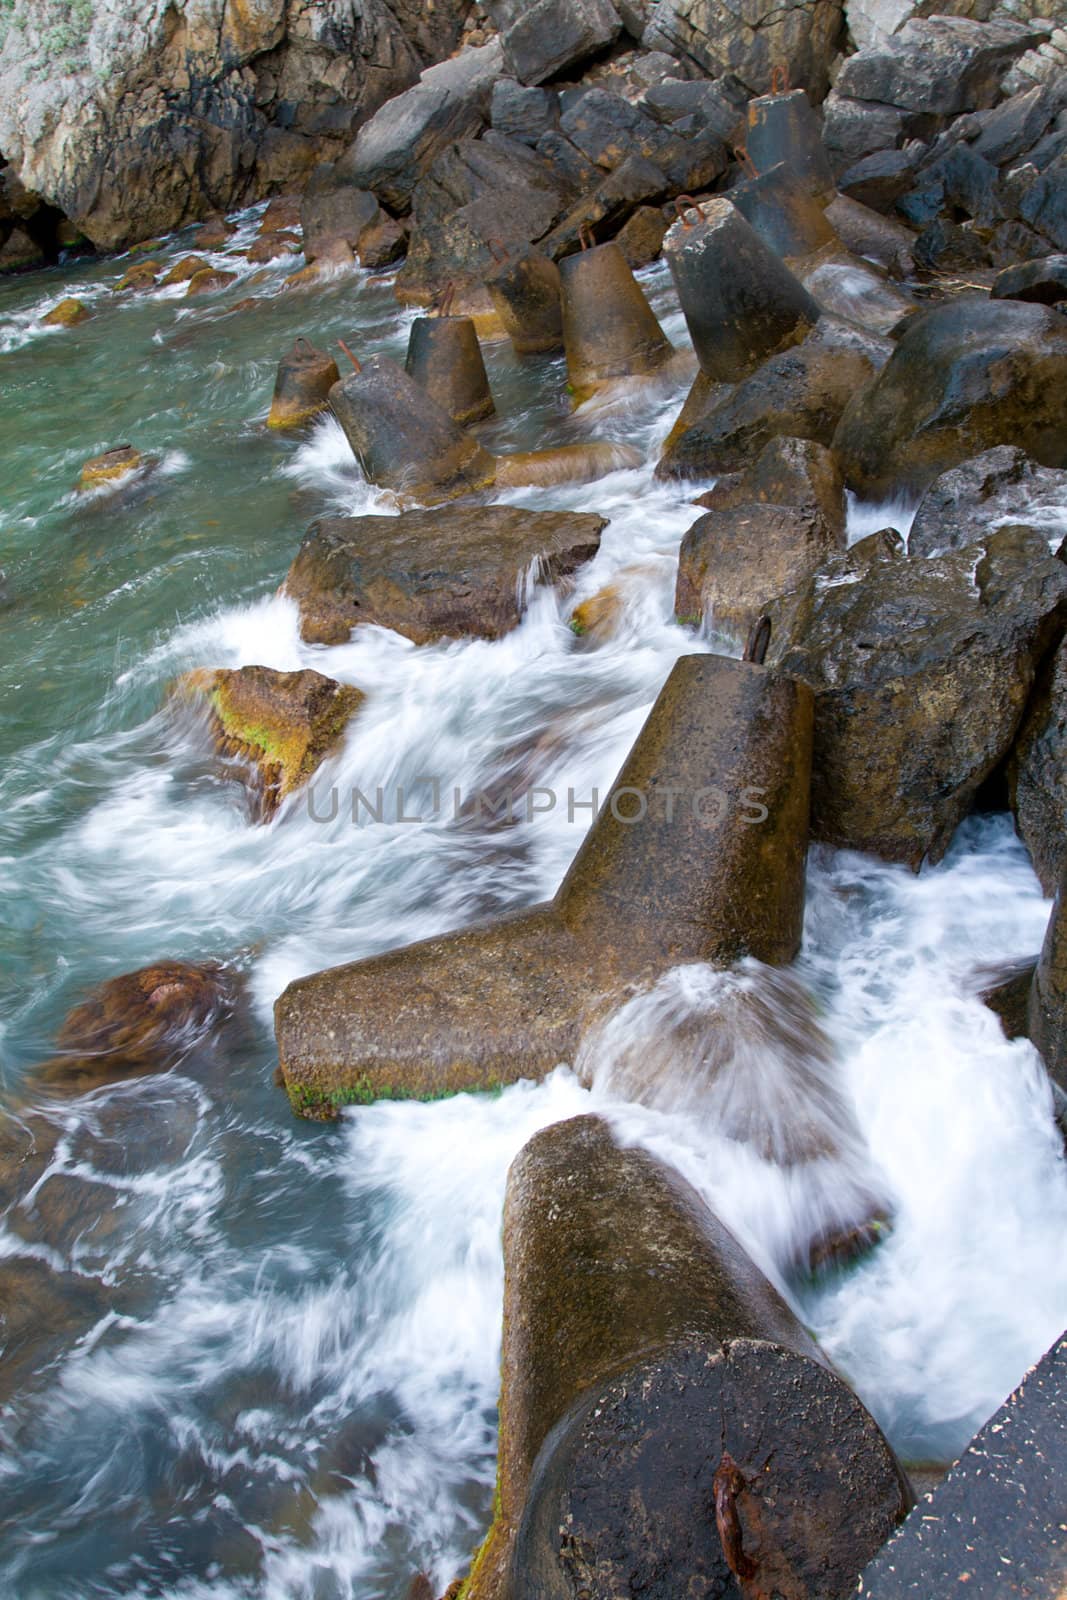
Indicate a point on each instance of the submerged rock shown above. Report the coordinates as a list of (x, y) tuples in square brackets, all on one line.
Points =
[(657, 1398), (964, 377), (144, 1021), (698, 855), (445, 573), (110, 468), (209, 280), (67, 314), (280, 725), (142, 275), (909, 721), (183, 270)]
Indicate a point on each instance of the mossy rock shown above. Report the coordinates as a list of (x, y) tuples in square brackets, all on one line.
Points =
[(283, 724)]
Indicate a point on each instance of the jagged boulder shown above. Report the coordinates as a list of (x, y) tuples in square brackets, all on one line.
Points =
[(400, 142), (964, 377), (432, 574), (852, 129), (334, 209), (542, 38), (1047, 1010), (800, 394), (962, 505), (609, 130), (476, 191), (278, 726), (1043, 281), (937, 66), (718, 38), (909, 721)]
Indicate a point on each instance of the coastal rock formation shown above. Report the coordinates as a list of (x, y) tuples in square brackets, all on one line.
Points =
[(717, 37), (148, 116), (909, 721)]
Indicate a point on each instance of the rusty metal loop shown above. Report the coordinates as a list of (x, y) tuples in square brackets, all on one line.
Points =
[(745, 161), (444, 309), (680, 203), (585, 235), (780, 79), (758, 641), (350, 356), (302, 346), (496, 249)]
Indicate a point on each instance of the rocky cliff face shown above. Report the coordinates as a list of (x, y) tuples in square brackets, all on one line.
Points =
[(134, 116)]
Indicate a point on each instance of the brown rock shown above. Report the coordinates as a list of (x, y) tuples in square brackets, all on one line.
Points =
[(733, 563), (431, 574), (142, 275), (111, 467), (270, 246), (282, 214), (641, 238), (215, 234), (382, 244), (302, 386), (1037, 773), (657, 1398), (787, 472), (183, 270), (691, 877), (144, 1021), (280, 726), (208, 280)]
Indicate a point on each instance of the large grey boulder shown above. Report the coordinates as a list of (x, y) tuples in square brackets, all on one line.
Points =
[(399, 143), (939, 66), (852, 129), (1000, 486), (966, 376), (544, 38), (751, 41), (910, 720)]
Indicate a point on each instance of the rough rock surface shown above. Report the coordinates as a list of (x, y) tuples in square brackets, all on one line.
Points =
[(965, 376), (280, 726), (909, 721), (967, 502), (718, 37), (431, 574), (150, 115), (937, 65), (544, 37), (399, 143), (1037, 774), (799, 394)]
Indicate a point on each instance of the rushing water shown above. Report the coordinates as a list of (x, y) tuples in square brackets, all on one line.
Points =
[(278, 1374)]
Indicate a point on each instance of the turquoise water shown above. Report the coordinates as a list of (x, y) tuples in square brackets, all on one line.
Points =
[(267, 1354)]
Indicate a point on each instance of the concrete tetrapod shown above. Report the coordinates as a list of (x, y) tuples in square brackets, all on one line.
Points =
[(405, 441), (525, 289), (445, 358), (741, 302), (697, 855), (302, 388), (609, 329), (667, 1427), (783, 211), (783, 127)]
